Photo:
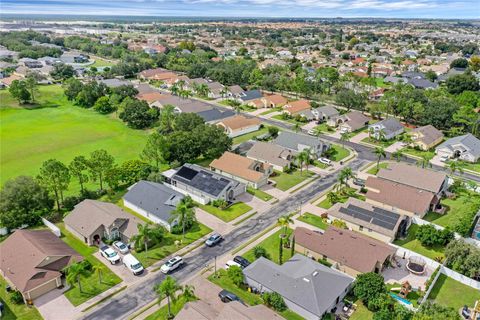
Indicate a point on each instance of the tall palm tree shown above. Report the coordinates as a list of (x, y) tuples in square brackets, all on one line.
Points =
[(175, 89), (425, 161), (453, 166), (380, 153), (99, 269), (167, 289), (397, 155), (296, 127), (184, 213), (167, 118), (188, 292), (284, 222), (75, 272), (203, 90), (344, 175), (301, 158), (144, 236), (344, 137), (307, 157), (180, 84)]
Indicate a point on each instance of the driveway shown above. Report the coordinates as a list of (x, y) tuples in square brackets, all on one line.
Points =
[(394, 147), (212, 222), (120, 270), (55, 306), (359, 137)]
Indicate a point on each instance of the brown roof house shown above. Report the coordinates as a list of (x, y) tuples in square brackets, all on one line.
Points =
[(274, 100), (296, 107), (32, 260), (251, 172), (93, 220), (239, 125), (278, 157), (426, 137), (348, 251), (355, 120)]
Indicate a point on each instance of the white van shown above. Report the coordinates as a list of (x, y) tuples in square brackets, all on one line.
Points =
[(232, 263), (132, 264)]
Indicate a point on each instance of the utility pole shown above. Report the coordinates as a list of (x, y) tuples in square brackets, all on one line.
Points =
[(215, 274)]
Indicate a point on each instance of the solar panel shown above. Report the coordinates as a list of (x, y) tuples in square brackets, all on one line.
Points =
[(187, 173), (383, 218)]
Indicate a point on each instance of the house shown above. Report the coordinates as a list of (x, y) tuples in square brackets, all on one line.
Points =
[(426, 137), (235, 91), (410, 175), (212, 115), (239, 125), (203, 185), (157, 74), (299, 142), (400, 198), (328, 114), (302, 283), (7, 81), (370, 220), (32, 261), (278, 157), (115, 83), (234, 310), (154, 201), (250, 95), (422, 83), (348, 251), (216, 90), (466, 148), (151, 97), (386, 129), (248, 171), (355, 120), (92, 220), (295, 107), (274, 101)]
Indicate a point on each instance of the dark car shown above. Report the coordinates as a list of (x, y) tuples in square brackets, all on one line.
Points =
[(241, 261), (227, 296), (359, 182), (213, 240)]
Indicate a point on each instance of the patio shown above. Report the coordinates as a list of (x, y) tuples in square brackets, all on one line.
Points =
[(401, 274)]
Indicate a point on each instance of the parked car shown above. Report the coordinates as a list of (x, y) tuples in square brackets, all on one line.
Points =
[(241, 261), (444, 158), (325, 161), (359, 182), (227, 296), (312, 132), (109, 254), (232, 263), (213, 240), (132, 264), (172, 264), (120, 246)]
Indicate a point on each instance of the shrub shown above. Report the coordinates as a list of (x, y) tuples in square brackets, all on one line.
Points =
[(260, 252), (274, 300), (220, 203), (16, 297), (235, 274), (325, 262), (429, 236)]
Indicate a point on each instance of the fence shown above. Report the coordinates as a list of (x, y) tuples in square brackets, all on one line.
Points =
[(52, 227)]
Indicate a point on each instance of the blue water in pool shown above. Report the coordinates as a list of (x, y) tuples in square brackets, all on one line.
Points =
[(396, 296)]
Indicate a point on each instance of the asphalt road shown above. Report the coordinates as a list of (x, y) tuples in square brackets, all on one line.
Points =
[(139, 295)]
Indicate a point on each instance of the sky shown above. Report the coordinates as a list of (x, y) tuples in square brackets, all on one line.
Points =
[(443, 9)]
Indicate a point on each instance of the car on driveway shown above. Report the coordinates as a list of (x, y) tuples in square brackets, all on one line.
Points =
[(359, 182), (132, 264), (232, 263), (172, 264), (213, 240), (241, 261), (227, 296), (121, 247), (110, 254), (325, 161)]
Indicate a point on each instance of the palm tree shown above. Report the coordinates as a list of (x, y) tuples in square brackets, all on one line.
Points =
[(284, 222), (184, 94), (425, 161), (188, 292), (237, 106), (167, 118), (380, 153), (167, 289), (99, 269), (224, 92), (344, 137), (75, 272), (301, 157), (144, 236), (175, 89), (203, 90), (332, 197), (296, 127), (180, 84), (345, 174), (397, 155), (184, 213), (453, 166), (318, 131)]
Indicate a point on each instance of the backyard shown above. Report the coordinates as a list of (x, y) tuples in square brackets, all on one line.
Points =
[(313, 220), (286, 181), (411, 243), (14, 311), (101, 63), (271, 244), (452, 293), (249, 136), (30, 135), (228, 214)]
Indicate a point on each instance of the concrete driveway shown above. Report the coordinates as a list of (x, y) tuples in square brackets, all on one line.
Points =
[(55, 306), (120, 270), (394, 147)]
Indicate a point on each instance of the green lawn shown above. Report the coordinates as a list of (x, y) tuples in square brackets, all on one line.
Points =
[(15, 311), (90, 285), (228, 214), (167, 246), (100, 62), (271, 245), (373, 170), (162, 313), (323, 128), (412, 296), (383, 144), (340, 154), (470, 166), (326, 204), (271, 110), (56, 128), (262, 195), (418, 153), (249, 136), (464, 206), (452, 293), (314, 220), (413, 244), (361, 313), (286, 181)]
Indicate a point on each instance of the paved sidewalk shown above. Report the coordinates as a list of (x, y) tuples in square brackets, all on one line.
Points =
[(258, 111)]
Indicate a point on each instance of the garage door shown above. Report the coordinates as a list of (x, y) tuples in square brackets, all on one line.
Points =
[(48, 286)]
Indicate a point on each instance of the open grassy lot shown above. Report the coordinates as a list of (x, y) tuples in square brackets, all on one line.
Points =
[(314, 220), (271, 245), (14, 311), (262, 195), (374, 170), (228, 214), (452, 293), (287, 180), (168, 246), (90, 284), (340, 152), (55, 128), (411, 243)]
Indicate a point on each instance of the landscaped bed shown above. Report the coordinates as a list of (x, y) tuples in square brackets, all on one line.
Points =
[(452, 293), (286, 181), (313, 220), (343, 197), (411, 243), (373, 170), (379, 143), (232, 212)]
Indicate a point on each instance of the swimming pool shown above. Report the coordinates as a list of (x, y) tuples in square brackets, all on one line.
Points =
[(397, 297)]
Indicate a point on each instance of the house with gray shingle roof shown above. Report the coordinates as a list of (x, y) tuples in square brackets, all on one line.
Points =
[(299, 142), (308, 288), (386, 129), (466, 148)]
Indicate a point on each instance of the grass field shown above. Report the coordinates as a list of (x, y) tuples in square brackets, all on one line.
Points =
[(340, 154), (228, 214), (452, 293), (314, 220), (271, 245), (374, 170), (14, 311), (262, 195), (55, 128), (413, 244), (286, 181), (100, 63)]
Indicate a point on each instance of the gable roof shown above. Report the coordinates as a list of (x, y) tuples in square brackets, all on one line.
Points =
[(24, 250), (235, 89), (297, 106), (276, 99), (270, 153), (155, 198), (239, 122), (301, 280), (251, 95), (214, 114), (238, 166), (390, 125), (429, 134), (327, 111), (150, 97), (356, 120), (346, 247), (294, 141), (468, 140), (413, 176)]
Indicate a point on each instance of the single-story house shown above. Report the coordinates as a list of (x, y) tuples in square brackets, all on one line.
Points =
[(410, 175), (348, 251), (328, 114), (278, 157), (216, 89), (154, 201), (32, 261), (156, 74), (386, 129), (274, 100), (115, 83), (426, 137), (355, 120), (239, 125), (466, 148), (203, 185), (213, 115), (250, 172), (235, 91), (249, 95), (234, 310), (302, 283), (299, 142), (369, 219), (400, 198), (92, 220), (151, 97), (296, 107)]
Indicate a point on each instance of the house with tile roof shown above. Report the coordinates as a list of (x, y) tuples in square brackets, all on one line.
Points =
[(239, 125), (296, 107)]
